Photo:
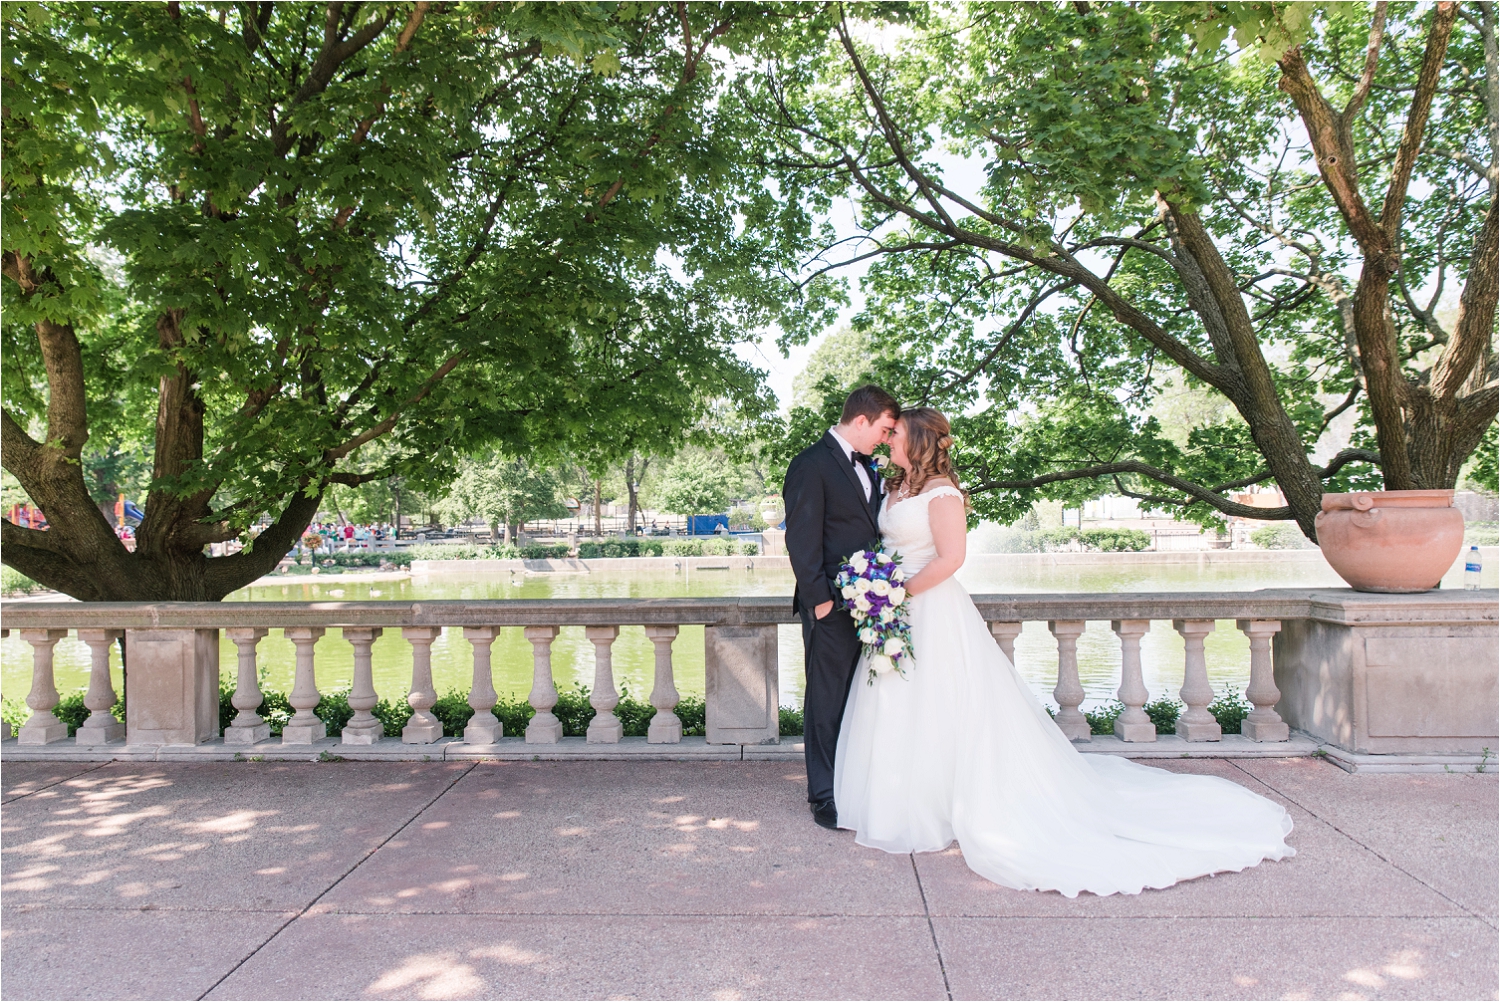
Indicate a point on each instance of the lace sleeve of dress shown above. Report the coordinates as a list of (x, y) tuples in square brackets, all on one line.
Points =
[(943, 491)]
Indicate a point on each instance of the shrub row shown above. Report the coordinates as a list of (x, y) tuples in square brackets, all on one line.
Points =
[(1100, 540), (1229, 709), (715, 546), (500, 551), (452, 709)]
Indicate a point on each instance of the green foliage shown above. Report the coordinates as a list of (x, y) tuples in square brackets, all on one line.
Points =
[(1481, 534), (543, 551), (1229, 709), (1102, 719), (791, 721), (697, 484), (461, 551), (682, 547), (13, 582), (536, 228), (1063, 537), (502, 492), (1283, 536), (1484, 467), (1164, 713)]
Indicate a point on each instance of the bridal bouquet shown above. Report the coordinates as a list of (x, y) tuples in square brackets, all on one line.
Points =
[(872, 585)]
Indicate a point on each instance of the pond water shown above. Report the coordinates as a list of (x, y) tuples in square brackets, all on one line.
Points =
[(1228, 650)]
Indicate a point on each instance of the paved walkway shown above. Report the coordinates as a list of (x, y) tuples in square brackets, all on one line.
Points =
[(694, 880)]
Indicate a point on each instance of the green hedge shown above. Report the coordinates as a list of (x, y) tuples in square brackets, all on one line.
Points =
[(1098, 540)]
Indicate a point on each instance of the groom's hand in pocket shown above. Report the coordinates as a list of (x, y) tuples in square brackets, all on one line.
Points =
[(823, 609)]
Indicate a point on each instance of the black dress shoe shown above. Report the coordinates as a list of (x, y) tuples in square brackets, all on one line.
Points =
[(826, 814)]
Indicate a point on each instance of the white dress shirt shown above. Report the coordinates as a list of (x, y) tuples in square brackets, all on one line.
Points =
[(859, 468)]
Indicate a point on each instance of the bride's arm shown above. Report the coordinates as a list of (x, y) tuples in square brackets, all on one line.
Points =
[(950, 526)]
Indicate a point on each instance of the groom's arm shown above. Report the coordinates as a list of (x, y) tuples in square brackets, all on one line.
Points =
[(804, 534)]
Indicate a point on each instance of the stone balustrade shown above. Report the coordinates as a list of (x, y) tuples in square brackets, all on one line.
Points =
[(1370, 673)]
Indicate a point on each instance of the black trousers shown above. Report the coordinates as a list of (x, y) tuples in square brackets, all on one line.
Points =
[(831, 649)]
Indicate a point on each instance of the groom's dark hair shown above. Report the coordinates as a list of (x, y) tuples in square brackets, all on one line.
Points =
[(870, 401)]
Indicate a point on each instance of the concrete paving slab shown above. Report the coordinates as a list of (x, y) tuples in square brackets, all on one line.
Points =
[(650, 957), (629, 838), (24, 779), (84, 953), (1442, 829), (260, 836), (1330, 875), (1198, 958)]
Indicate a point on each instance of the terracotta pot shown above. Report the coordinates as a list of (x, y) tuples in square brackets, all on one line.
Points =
[(1391, 541)]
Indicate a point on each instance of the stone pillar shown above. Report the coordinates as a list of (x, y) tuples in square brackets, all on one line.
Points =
[(605, 728), (1196, 723), (1262, 723), (741, 688), (1132, 724), (42, 727), (1005, 635), (247, 727), (304, 728), (544, 727), (484, 728), (423, 728), (666, 726), (1069, 692), (364, 728), (101, 727), (173, 692)]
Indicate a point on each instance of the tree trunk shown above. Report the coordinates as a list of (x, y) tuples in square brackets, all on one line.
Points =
[(630, 492)]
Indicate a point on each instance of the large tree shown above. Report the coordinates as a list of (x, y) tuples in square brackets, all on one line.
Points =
[(1275, 202), (256, 238)]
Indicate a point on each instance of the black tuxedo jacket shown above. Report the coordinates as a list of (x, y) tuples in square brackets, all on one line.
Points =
[(827, 518)]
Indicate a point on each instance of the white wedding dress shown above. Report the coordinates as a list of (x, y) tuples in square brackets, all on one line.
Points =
[(961, 749)]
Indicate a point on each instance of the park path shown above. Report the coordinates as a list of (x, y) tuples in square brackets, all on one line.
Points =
[(694, 880)]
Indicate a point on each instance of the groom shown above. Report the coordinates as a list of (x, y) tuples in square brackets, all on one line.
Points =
[(832, 494)]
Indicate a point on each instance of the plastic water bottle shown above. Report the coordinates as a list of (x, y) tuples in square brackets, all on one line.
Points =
[(1472, 567)]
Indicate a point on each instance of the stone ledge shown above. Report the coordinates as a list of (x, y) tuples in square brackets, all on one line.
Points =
[(1357, 762)]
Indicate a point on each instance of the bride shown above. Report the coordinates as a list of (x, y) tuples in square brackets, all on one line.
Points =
[(961, 749)]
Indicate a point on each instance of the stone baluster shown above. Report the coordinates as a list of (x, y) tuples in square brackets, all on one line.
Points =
[(666, 726), (1132, 724), (247, 727), (1005, 635), (484, 727), (1069, 692), (605, 728), (423, 728), (544, 727), (363, 728), (42, 727), (1262, 723), (101, 727), (1196, 723), (304, 728)]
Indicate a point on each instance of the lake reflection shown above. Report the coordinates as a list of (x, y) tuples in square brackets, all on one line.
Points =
[(573, 655)]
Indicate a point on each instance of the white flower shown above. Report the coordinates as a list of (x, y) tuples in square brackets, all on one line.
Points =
[(880, 586), (894, 646), (880, 664), (887, 614), (867, 636), (882, 557), (859, 563), (898, 595), (861, 603), (848, 591), (862, 585), (898, 575), (881, 462)]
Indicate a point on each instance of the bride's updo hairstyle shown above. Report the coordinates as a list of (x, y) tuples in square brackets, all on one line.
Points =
[(928, 439)]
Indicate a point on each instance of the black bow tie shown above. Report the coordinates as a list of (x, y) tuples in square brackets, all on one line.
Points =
[(861, 459)]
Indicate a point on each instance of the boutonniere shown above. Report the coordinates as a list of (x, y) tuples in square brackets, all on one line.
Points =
[(881, 462)]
